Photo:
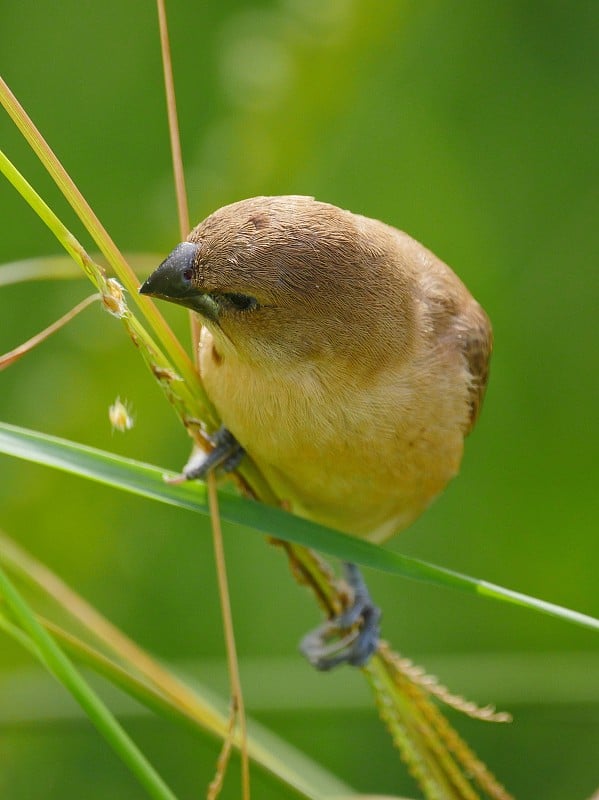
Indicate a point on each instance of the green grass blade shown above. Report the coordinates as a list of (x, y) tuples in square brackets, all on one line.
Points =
[(296, 771), (50, 268), (186, 395), (147, 481), (35, 269), (202, 710), (62, 668), (93, 225)]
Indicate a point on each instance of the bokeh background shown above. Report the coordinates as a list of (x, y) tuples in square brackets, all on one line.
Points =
[(474, 128)]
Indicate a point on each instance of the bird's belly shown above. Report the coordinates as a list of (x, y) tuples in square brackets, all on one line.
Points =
[(369, 488), (367, 463)]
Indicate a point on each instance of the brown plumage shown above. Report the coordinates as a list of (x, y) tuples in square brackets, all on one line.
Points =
[(346, 358)]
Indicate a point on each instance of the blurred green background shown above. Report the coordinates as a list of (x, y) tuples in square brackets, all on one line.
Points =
[(474, 128)]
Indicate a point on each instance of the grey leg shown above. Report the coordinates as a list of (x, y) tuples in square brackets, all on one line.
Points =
[(226, 455), (350, 638)]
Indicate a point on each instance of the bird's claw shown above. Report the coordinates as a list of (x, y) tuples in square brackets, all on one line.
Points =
[(350, 638), (226, 456)]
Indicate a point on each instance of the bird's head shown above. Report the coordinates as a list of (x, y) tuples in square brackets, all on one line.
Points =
[(276, 279)]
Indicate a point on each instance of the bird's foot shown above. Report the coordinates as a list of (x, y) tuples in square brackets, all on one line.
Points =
[(350, 638), (226, 456)]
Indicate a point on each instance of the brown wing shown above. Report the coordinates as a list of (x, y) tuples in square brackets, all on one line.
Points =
[(457, 321), (476, 342)]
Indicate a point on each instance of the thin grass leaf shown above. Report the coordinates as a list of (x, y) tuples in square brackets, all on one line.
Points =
[(36, 269), (96, 230), (148, 481), (50, 268), (61, 667), (187, 396), (9, 358), (289, 766), (178, 378)]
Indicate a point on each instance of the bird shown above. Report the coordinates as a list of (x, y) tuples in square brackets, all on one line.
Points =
[(344, 357)]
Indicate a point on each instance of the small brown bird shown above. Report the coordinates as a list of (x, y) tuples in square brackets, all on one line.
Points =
[(341, 354)]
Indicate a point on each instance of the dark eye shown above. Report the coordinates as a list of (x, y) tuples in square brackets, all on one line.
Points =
[(240, 302)]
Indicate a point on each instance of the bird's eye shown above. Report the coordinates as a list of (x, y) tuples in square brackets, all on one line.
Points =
[(240, 302), (188, 274)]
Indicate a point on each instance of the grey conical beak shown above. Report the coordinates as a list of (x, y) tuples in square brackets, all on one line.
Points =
[(173, 278)]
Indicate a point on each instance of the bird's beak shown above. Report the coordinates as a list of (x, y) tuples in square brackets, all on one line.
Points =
[(173, 281)]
